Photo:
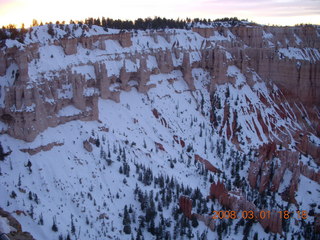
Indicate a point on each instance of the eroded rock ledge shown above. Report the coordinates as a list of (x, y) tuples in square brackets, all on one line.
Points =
[(38, 94), (47, 147)]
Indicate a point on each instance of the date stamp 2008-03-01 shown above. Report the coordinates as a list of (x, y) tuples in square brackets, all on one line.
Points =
[(263, 214)]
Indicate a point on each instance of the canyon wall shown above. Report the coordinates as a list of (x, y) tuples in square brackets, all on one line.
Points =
[(286, 56), (50, 81)]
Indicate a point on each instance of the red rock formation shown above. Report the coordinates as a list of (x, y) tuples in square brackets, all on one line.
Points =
[(69, 45), (251, 36), (186, 206), (144, 77), (236, 202), (164, 59), (18, 234), (186, 71), (87, 146), (262, 123), (159, 146), (261, 167), (87, 42), (98, 41), (207, 164), (273, 224), (78, 85), (207, 220), (124, 78), (103, 81), (294, 183), (155, 113), (277, 176), (182, 143), (3, 66), (176, 139), (204, 32), (125, 39), (47, 147), (226, 115), (307, 147)]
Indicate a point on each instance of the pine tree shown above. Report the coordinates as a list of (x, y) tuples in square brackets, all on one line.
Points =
[(1, 153), (189, 233), (126, 217), (30, 195), (31, 212), (151, 228), (171, 164), (126, 221), (139, 235), (36, 199), (29, 165), (51, 30), (194, 222), (159, 207), (40, 222), (73, 228), (127, 229), (175, 231), (13, 195), (54, 225)]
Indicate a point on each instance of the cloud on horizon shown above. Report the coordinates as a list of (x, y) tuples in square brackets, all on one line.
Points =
[(257, 7)]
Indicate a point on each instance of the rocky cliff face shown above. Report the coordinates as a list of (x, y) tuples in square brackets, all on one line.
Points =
[(288, 57), (263, 86)]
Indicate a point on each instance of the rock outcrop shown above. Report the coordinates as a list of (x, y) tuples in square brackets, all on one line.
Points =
[(204, 32), (69, 45), (187, 71), (47, 147), (207, 164), (87, 146), (236, 202), (164, 59), (267, 174), (17, 233), (3, 66), (186, 206)]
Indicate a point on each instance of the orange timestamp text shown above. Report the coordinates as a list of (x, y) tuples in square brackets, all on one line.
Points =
[(263, 214)]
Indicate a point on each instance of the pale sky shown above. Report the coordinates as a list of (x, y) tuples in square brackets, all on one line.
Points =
[(281, 12)]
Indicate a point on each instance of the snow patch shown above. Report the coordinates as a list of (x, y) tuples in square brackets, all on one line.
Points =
[(69, 111), (5, 227)]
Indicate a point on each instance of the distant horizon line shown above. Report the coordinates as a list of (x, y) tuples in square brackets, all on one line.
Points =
[(209, 20)]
